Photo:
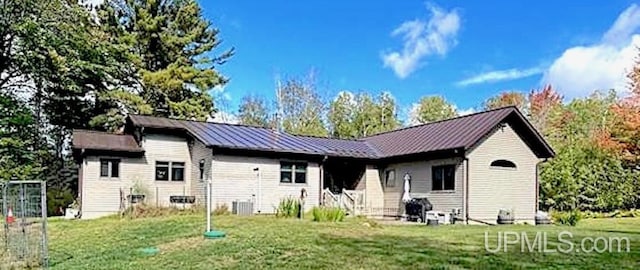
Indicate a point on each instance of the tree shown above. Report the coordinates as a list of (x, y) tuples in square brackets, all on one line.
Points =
[(17, 158), (171, 46), (388, 111), (544, 108), (300, 108), (341, 116), (434, 108), (634, 76), (588, 172), (357, 115), (506, 99), (253, 111)]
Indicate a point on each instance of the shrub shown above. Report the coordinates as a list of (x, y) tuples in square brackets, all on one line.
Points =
[(58, 200), (288, 208), (328, 214), (221, 209), (614, 214), (146, 211), (570, 218)]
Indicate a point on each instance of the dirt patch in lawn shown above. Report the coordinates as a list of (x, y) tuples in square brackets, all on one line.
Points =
[(181, 244)]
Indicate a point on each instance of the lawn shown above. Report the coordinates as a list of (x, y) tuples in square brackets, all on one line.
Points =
[(269, 242)]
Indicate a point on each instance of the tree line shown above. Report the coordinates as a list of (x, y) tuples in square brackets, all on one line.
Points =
[(67, 65), (596, 138)]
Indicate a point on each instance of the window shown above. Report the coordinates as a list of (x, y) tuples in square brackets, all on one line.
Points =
[(169, 171), (390, 178), (201, 167), (503, 163), (177, 171), (293, 172), (444, 177), (110, 168), (162, 171), (301, 173)]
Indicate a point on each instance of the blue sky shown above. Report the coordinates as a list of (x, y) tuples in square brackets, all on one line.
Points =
[(466, 51)]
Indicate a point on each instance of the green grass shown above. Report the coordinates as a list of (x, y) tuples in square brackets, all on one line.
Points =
[(269, 242)]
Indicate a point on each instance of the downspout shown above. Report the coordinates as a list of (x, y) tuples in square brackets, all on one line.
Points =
[(466, 189), (321, 184), (466, 196), (81, 180)]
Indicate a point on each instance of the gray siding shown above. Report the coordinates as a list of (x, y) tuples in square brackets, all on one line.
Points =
[(234, 179), (102, 196), (421, 186), (491, 189)]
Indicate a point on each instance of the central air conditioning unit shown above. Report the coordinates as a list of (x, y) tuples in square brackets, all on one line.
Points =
[(242, 208)]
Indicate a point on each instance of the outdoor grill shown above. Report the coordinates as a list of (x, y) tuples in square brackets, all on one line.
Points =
[(416, 208)]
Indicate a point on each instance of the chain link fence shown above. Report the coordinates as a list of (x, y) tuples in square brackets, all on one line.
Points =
[(24, 219)]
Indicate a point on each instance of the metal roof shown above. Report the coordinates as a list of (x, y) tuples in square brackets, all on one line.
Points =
[(458, 133), (95, 140), (237, 136)]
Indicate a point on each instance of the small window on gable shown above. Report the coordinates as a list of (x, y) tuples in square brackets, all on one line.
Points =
[(503, 163)]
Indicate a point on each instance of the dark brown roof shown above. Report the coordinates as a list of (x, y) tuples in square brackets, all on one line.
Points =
[(461, 133), (96, 140), (458, 133)]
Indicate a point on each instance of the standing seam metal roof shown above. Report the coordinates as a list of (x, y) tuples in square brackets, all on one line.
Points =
[(461, 132)]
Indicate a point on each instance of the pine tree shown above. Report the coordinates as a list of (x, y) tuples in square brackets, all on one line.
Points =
[(171, 46)]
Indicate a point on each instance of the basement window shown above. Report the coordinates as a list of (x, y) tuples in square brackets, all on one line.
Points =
[(110, 168), (293, 172), (444, 177)]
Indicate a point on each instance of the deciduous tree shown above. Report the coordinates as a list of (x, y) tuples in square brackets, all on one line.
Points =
[(504, 99), (254, 111), (434, 108), (300, 108)]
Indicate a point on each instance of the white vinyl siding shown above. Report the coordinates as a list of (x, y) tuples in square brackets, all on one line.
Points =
[(493, 188), (199, 152), (102, 197), (374, 192), (421, 186), (234, 178)]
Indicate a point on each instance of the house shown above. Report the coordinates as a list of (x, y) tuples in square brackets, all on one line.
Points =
[(474, 164)]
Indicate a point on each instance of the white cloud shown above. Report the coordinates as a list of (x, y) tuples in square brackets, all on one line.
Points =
[(600, 66), (423, 38), (467, 111), (499, 75)]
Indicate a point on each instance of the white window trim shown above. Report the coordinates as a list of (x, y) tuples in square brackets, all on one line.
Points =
[(109, 168), (293, 173), (170, 172)]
